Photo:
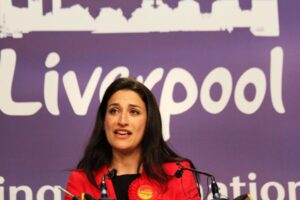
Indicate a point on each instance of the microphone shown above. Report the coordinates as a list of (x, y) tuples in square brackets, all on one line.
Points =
[(214, 186), (215, 189), (103, 188)]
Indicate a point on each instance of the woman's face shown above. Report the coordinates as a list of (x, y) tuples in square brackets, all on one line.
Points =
[(125, 121)]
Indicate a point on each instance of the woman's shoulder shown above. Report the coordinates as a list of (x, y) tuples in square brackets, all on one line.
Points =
[(171, 167), (77, 175), (80, 174)]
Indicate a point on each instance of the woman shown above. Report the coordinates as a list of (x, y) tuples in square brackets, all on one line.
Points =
[(127, 153)]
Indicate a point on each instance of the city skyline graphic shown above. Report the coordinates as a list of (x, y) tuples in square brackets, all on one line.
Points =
[(262, 19)]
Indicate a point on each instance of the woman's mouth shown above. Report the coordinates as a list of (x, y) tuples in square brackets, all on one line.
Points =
[(122, 132)]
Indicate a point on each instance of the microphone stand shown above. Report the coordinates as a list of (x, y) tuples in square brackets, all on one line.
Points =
[(84, 196), (69, 194), (214, 186), (103, 188)]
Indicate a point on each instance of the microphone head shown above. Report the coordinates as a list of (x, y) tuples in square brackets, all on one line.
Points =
[(178, 173), (112, 173)]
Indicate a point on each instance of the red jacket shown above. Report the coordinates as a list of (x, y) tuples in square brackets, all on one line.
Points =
[(141, 188)]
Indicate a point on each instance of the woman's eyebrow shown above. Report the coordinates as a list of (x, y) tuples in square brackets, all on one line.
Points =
[(134, 105), (113, 104)]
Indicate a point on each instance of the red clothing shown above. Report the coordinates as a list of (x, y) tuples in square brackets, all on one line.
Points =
[(183, 188)]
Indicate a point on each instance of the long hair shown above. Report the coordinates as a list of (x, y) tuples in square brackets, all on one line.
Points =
[(154, 150)]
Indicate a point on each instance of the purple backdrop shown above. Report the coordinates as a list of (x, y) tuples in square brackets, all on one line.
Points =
[(256, 152)]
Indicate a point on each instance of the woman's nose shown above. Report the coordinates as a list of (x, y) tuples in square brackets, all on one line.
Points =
[(123, 119)]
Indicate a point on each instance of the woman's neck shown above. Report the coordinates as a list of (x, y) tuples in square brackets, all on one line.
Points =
[(125, 163)]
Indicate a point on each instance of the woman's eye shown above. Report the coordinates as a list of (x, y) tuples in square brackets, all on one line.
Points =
[(135, 112), (113, 110)]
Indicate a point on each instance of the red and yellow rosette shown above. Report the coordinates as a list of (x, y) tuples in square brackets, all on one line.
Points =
[(143, 189)]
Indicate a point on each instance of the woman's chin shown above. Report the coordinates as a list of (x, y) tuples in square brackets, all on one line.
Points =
[(125, 149)]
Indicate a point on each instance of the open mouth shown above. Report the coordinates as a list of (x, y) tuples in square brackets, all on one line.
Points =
[(122, 132)]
